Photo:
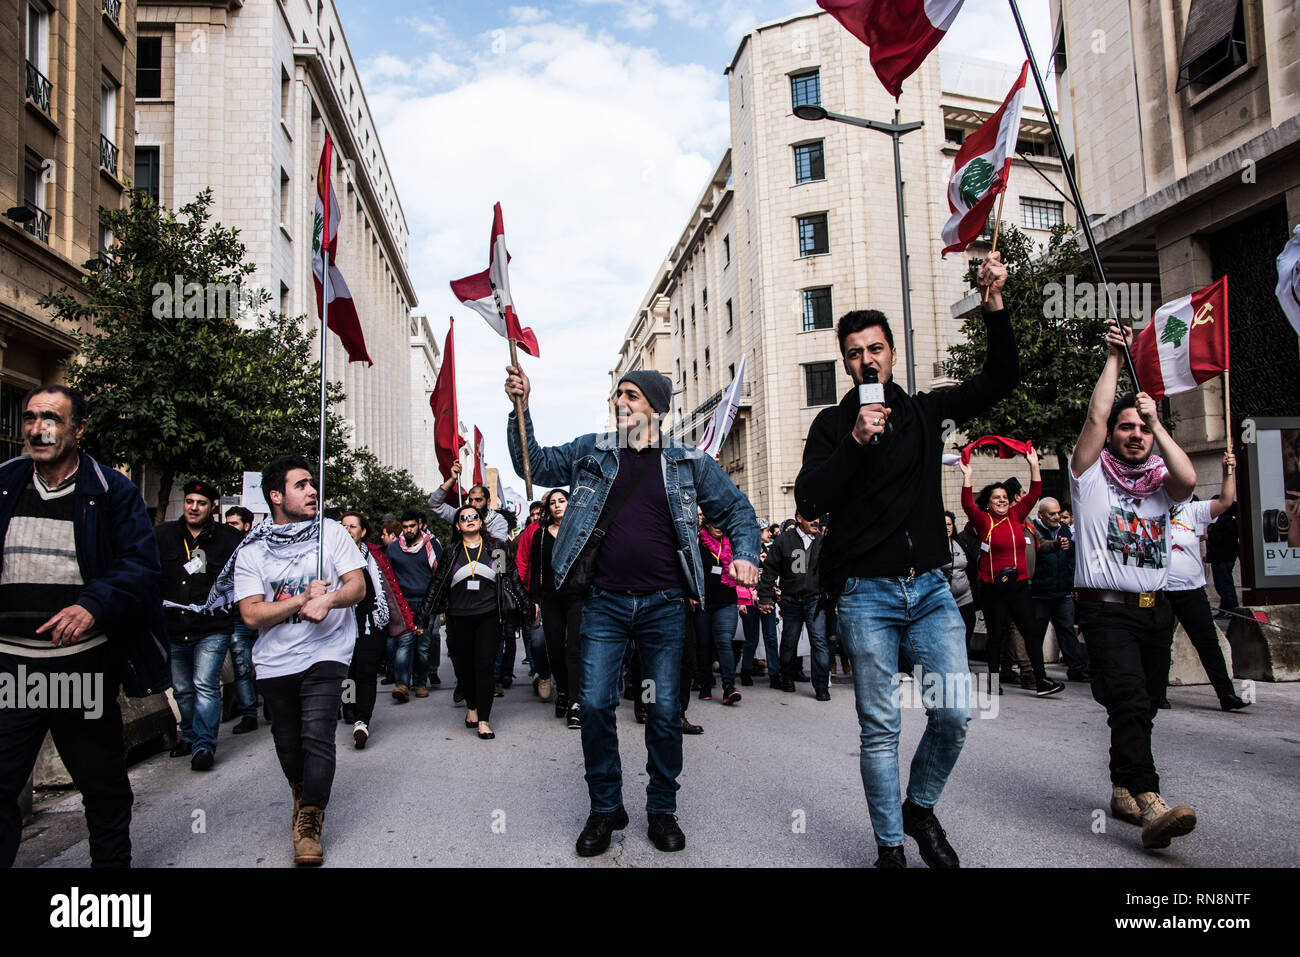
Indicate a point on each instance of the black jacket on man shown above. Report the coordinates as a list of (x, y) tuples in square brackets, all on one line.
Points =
[(885, 500), (783, 556), (217, 542)]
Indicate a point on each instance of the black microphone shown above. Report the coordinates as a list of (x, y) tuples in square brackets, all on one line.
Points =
[(871, 392)]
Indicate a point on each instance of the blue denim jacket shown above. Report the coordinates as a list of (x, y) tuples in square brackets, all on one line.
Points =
[(588, 466)]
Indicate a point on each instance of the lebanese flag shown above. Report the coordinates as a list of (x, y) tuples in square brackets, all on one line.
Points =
[(1288, 279), (488, 293), (901, 33), (480, 458), (1185, 343), (446, 440), (343, 320), (981, 169)]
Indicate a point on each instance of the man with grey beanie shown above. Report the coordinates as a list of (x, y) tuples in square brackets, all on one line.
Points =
[(628, 543)]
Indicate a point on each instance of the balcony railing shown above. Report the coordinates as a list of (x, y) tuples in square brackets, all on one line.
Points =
[(39, 225), (112, 9), (39, 88), (107, 154)]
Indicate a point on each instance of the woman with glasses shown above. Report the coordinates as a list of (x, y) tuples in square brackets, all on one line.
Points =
[(471, 585)]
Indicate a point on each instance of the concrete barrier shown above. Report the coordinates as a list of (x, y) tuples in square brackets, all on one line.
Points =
[(1265, 653), (146, 723)]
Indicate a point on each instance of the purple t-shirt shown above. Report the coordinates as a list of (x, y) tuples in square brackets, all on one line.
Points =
[(639, 553)]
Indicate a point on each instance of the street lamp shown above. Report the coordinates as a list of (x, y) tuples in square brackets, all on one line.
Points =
[(811, 112)]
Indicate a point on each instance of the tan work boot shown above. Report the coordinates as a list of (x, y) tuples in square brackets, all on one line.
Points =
[(421, 691), (297, 800), (402, 694), (1123, 807), (306, 837), (1160, 822)]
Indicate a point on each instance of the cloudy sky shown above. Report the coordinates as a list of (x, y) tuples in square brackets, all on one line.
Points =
[(596, 124)]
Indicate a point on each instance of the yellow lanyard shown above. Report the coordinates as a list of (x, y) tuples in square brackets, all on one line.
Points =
[(472, 562), (185, 542), (989, 541)]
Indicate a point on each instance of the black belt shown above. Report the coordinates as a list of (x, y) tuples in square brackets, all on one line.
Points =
[(1136, 599)]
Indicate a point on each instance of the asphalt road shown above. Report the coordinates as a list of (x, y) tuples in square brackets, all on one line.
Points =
[(772, 782)]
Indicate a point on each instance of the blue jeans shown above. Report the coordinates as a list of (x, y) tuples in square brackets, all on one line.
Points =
[(877, 618), (428, 654), (403, 650), (196, 685), (714, 629), (241, 658), (768, 624), (794, 615), (658, 622)]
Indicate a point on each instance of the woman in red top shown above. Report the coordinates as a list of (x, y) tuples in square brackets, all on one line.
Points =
[(1004, 568)]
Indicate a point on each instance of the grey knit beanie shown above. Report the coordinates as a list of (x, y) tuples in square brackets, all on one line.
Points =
[(654, 385)]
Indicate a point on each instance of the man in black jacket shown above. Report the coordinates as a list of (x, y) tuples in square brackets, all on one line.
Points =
[(194, 549), (794, 559), (875, 468)]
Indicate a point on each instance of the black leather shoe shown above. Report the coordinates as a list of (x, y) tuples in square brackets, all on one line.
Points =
[(246, 724), (688, 728), (458, 695), (183, 749), (921, 825), (787, 684), (891, 857), (747, 679), (823, 694), (594, 838), (1233, 703), (202, 760), (665, 833), (802, 677), (775, 682)]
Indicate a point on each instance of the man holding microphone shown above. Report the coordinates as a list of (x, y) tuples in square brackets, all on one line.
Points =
[(874, 464)]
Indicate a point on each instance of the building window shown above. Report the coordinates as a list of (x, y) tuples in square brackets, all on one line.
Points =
[(286, 98), (817, 313), (108, 125), (148, 172), (692, 313), (813, 238), (39, 88), (284, 299), (954, 134), (286, 197), (11, 421), (1214, 43), (695, 368), (726, 249), (679, 370), (819, 382), (34, 180), (148, 68), (105, 241), (730, 320), (731, 372), (806, 89), (1041, 213), (705, 295), (809, 162)]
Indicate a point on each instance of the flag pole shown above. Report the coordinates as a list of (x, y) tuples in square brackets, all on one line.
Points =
[(997, 225), (324, 344), (1227, 416), (1084, 223), (519, 418)]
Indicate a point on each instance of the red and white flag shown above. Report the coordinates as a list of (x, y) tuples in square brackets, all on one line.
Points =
[(488, 292), (446, 439), (343, 320), (901, 33), (981, 169), (480, 458), (1185, 343)]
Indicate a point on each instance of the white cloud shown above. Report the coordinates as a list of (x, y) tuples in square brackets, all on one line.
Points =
[(596, 150)]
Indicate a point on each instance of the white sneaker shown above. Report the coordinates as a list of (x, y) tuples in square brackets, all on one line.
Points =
[(544, 689), (360, 734)]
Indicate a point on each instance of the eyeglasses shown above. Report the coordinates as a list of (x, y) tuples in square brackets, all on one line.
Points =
[(468, 518)]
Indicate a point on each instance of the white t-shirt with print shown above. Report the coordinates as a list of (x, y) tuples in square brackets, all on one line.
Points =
[(1188, 522), (1122, 542), (294, 645)]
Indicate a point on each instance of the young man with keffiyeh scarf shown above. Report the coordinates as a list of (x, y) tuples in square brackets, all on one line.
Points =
[(1122, 492), (306, 633)]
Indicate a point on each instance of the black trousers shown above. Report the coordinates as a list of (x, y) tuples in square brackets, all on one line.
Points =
[(89, 743), (473, 641), (1059, 612), (364, 673), (1128, 649), (304, 714), (1015, 605), (562, 626), (967, 612), (1192, 608)]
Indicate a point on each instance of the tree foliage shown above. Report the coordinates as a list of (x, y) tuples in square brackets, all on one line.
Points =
[(175, 384), (373, 488), (1060, 358)]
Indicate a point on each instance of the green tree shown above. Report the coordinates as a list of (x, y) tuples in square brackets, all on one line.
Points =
[(375, 489), (174, 383), (1060, 358)]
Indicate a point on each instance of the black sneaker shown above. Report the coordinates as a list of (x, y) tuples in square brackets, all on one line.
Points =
[(561, 704), (823, 694), (594, 838), (706, 693), (921, 825), (246, 724), (891, 857), (1233, 702), (435, 681), (665, 833), (731, 696), (575, 716), (1047, 687), (774, 682), (747, 679)]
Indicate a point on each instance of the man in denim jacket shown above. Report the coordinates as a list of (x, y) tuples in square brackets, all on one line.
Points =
[(647, 573)]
